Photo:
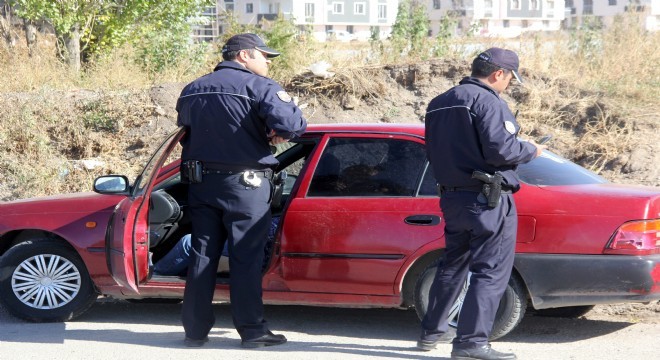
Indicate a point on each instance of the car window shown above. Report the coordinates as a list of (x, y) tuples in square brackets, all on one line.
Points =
[(156, 160), (428, 186), (368, 167), (551, 169)]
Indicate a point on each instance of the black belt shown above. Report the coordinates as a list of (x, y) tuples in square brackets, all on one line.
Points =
[(472, 188), (268, 173)]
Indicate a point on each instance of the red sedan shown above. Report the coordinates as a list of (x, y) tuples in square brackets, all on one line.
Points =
[(360, 226)]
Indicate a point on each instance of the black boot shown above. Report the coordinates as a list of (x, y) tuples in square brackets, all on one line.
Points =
[(481, 353)]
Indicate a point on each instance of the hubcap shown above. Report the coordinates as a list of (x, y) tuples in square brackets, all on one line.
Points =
[(46, 281)]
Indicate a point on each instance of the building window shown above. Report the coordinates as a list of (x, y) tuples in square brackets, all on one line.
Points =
[(359, 8), (382, 12), (249, 8), (436, 4), (328, 28), (515, 4), (534, 4), (588, 8), (488, 8), (229, 7), (309, 9), (349, 29), (338, 8), (505, 23), (612, 2), (274, 8)]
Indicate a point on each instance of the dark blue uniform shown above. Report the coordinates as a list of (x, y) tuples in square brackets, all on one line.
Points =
[(228, 115), (471, 128)]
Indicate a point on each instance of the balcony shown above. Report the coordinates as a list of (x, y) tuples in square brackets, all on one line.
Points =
[(456, 13), (267, 17), (636, 8)]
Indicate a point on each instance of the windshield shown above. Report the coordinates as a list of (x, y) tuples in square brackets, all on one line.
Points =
[(551, 169)]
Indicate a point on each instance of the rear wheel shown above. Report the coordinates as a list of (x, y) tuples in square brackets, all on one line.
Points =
[(42, 280), (509, 314)]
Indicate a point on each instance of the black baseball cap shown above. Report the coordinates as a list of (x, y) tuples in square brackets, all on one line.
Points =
[(505, 59), (248, 41)]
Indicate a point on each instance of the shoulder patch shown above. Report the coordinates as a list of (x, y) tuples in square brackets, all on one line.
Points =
[(284, 96), (510, 127)]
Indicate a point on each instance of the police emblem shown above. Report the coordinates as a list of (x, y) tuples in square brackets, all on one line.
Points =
[(284, 96), (510, 127)]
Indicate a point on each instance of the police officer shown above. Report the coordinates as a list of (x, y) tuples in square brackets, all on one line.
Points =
[(232, 116), (470, 128)]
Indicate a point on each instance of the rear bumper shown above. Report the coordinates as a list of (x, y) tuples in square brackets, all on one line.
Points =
[(572, 280)]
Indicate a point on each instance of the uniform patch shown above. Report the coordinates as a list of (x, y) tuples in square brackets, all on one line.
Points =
[(284, 96), (510, 127)]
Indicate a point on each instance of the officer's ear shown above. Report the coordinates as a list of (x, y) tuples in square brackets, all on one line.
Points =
[(243, 56)]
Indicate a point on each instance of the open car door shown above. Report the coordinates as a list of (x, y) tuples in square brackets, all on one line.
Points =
[(127, 236)]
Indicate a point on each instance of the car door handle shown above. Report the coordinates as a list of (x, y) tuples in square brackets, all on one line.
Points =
[(424, 220)]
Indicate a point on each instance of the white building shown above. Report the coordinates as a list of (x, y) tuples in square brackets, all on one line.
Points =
[(356, 19), (606, 10), (347, 19), (501, 18)]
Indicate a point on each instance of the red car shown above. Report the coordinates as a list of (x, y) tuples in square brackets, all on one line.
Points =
[(360, 226)]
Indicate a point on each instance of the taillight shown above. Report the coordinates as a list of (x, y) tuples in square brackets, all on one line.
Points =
[(636, 238)]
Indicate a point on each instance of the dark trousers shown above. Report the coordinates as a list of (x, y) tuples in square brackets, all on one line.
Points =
[(222, 209), (480, 240)]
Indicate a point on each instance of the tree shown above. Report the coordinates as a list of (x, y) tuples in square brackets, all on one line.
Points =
[(410, 29), (5, 24), (86, 27)]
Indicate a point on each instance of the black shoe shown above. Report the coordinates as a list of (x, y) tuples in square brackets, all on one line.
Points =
[(428, 344), (481, 353), (269, 339), (195, 342)]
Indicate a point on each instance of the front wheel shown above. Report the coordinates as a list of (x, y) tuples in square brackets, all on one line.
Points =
[(509, 314), (42, 280)]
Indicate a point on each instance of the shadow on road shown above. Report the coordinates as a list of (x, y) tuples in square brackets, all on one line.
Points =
[(385, 324)]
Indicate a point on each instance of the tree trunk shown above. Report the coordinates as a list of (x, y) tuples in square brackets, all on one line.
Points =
[(30, 35), (5, 27), (72, 43)]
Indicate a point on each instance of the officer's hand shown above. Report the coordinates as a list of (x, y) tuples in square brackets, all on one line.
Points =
[(539, 148), (277, 140)]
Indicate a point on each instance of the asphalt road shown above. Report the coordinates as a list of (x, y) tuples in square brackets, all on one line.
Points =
[(121, 330)]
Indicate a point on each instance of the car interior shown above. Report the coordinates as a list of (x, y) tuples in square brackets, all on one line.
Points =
[(169, 220)]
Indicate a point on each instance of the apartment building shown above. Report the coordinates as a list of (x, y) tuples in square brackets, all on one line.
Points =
[(343, 19), (498, 18), (606, 10), (355, 19)]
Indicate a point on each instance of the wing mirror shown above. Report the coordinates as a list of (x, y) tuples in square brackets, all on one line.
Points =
[(111, 184)]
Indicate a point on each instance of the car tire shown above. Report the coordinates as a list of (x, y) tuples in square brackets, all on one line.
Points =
[(570, 312), (43, 280), (509, 314)]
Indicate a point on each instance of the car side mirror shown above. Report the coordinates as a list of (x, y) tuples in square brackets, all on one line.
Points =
[(111, 184)]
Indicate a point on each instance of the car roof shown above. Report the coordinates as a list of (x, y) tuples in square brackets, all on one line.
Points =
[(374, 128)]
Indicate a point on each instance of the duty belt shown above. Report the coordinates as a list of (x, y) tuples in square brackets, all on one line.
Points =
[(266, 173), (471, 188)]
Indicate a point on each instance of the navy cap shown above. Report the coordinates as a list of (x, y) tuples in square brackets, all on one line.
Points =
[(248, 41), (505, 59)]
